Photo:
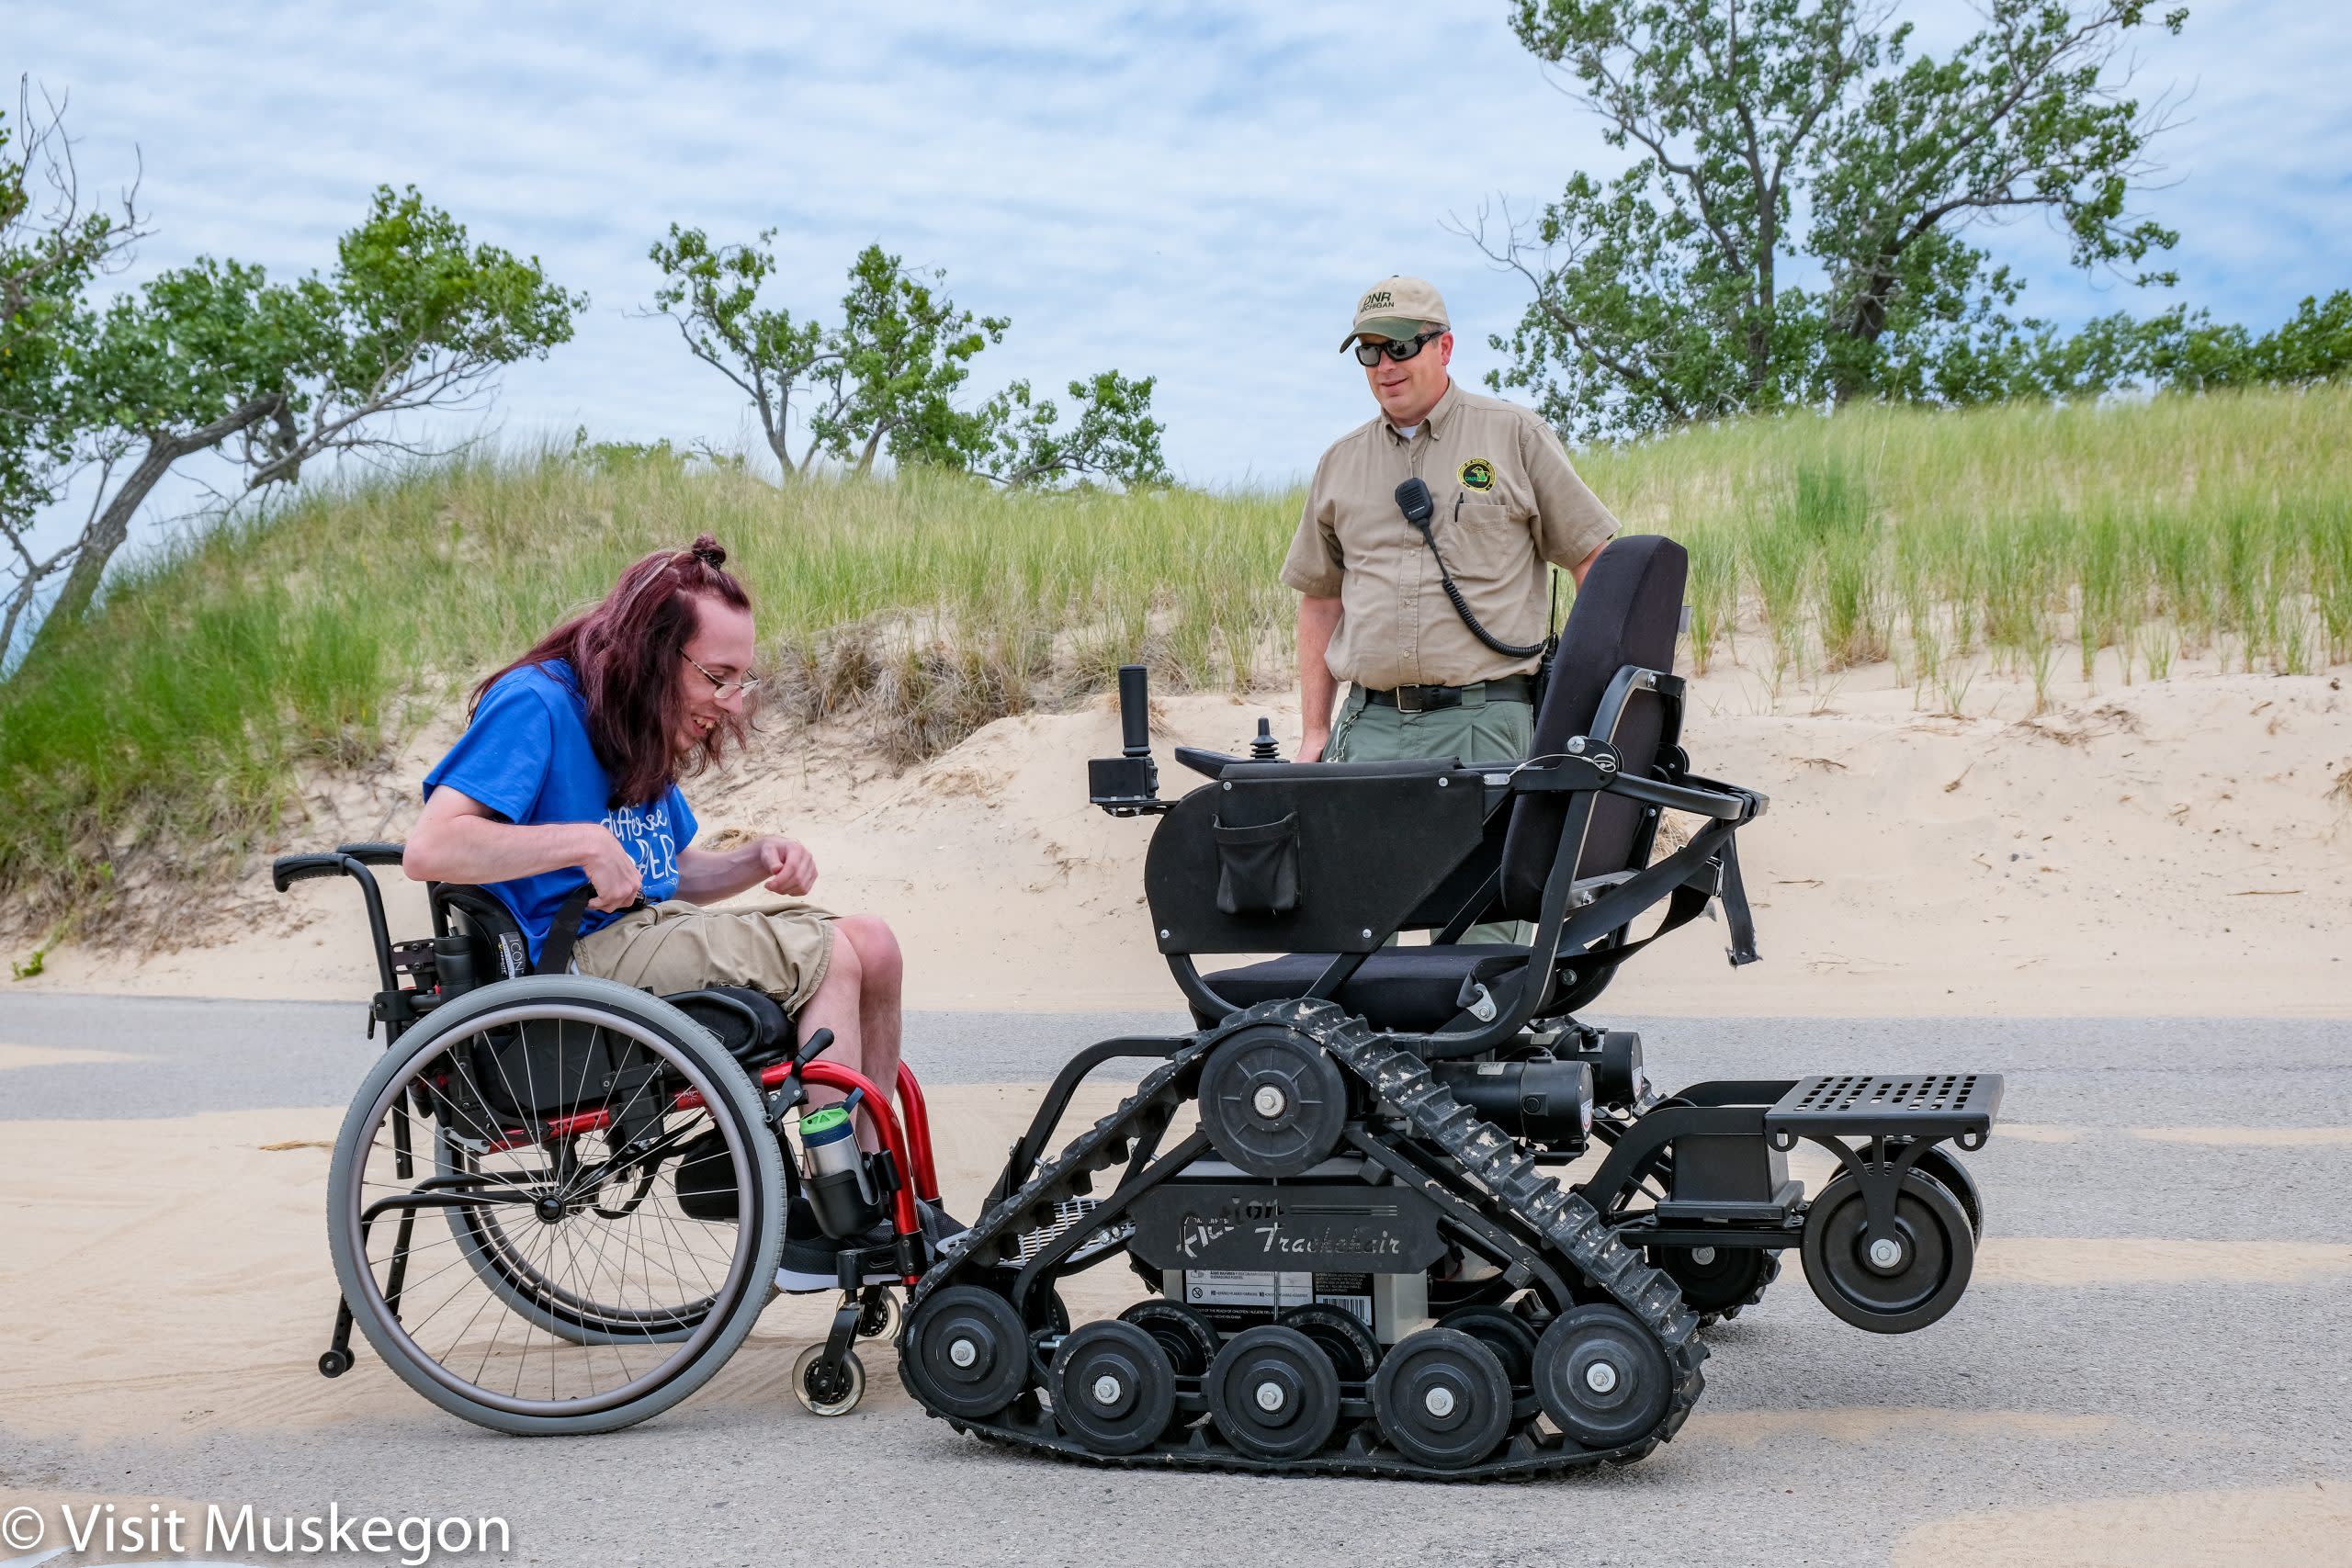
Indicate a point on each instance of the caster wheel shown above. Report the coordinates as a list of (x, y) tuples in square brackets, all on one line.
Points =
[(1187, 1336), (966, 1352), (335, 1363), (881, 1318), (1354, 1351), (1272, 1393), (1600, 1377), (1511, 1336), (1113, 1387), (1442, 1398), (827, 1389), (1944, 1166), (1889, 1288), (1716, 1281)]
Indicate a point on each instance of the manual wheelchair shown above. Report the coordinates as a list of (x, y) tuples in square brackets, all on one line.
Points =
[(558, 1204), (1350, 1190)]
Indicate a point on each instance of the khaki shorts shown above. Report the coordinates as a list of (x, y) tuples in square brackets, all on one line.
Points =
[(780, 946)]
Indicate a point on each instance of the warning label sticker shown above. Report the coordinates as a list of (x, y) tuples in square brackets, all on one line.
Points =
[(1268, 1294)]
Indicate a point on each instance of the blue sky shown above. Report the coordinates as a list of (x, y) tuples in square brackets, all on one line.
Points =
[(1195, 191)]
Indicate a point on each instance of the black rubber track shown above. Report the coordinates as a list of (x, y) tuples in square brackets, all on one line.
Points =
[(1570, 1233)]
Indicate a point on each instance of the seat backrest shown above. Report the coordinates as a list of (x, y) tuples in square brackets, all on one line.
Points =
[(1628, 611), (499, 951)]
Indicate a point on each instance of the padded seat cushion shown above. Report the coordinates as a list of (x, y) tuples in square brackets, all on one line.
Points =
[(1413, 988)]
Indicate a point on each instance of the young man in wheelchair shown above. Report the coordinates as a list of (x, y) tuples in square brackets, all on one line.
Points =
[(568, 774)]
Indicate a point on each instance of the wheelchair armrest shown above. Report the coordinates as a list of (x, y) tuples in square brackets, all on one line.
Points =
[(1211, 764), (373, 854), (1239, 771), (1727, 805)]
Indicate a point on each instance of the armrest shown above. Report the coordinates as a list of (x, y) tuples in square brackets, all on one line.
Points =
[(1238, 771), (1211, 764), (373, 854)]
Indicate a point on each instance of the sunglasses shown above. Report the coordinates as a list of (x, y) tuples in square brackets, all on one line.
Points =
[(1369, 353)]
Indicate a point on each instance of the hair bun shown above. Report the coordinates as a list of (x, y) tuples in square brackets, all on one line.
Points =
[(709, 551)]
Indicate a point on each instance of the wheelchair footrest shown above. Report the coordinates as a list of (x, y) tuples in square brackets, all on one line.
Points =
[(1960, 1106)]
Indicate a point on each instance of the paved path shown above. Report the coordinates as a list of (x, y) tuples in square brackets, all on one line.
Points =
[(2141, 1371)]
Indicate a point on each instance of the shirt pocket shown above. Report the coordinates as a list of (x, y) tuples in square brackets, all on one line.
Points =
[(1489, 544)]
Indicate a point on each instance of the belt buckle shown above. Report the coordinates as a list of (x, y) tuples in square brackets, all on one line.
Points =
[(1408, 699)]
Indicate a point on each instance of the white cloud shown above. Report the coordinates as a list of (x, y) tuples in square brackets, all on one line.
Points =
[(1192, 191)]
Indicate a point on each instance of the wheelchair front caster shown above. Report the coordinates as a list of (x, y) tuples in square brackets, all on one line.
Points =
[(335, 1363), (878, 1319), (827, 1387)]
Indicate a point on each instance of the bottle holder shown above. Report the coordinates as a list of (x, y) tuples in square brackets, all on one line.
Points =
[(1257, 867)]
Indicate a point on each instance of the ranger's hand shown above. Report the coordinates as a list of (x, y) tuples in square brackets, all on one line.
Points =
[(612, 872), (1310, 745), (786, 866)]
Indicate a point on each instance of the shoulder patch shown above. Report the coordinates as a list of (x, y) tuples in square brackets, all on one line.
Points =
[(1477, 474)]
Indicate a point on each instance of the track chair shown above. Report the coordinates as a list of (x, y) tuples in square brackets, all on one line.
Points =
[(1350, 1190)]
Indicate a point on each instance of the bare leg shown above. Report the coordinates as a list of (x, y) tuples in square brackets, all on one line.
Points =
[(880, 1011), (836, 1007)]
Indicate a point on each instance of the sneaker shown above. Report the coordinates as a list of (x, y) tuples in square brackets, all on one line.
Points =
[(811, 1260)]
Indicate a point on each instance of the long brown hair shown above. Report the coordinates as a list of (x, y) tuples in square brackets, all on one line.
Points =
[(625, 655)]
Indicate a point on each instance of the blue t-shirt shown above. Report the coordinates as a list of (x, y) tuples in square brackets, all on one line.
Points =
[(527, 757)]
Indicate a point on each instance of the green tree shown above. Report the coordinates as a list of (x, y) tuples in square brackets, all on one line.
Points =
[(1806, 139), (886, 381), (1113, 436), (214, 355)]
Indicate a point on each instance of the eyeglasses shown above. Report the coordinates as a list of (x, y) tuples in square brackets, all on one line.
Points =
[(747, 685), (1370, 352)]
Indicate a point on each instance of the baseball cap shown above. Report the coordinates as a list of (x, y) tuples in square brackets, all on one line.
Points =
[(1397, 308)]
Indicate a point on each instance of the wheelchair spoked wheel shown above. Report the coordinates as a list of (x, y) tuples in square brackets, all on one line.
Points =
[(503, 1215)]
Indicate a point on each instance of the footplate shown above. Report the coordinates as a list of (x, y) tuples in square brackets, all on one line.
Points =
[(1959, 1106)]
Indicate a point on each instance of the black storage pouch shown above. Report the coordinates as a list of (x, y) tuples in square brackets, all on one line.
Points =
[(1257, 867)]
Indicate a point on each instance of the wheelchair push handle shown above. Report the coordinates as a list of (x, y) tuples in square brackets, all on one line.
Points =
[(288, 870)]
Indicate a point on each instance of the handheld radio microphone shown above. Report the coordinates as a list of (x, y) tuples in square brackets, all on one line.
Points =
[(1413, 500)]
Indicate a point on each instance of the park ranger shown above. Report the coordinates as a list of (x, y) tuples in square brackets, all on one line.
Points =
[(1423, 678)]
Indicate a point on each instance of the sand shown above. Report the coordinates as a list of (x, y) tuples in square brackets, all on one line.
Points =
[(2174, 848)]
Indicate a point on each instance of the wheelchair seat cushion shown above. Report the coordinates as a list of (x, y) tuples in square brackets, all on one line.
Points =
[(1414, 988)]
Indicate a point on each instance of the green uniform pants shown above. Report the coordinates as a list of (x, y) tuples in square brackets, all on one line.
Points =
[(1478, 731)]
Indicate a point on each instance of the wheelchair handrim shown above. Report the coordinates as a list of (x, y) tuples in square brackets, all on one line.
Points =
[(682, 1354)]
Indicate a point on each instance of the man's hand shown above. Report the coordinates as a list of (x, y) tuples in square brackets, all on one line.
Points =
[(1310, 745), (786, 866), (614, 875)]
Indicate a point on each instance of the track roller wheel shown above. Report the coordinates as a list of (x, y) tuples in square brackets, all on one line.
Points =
[(1114, 1389), (1600, 1377), (828, 1389), (1511, 1336), (1894, 1284), (1273, 1101), (1272, 1393), (1442, 1398), (1184, 1333), (1341, 1333), (966, 1352), (1717, 1280)]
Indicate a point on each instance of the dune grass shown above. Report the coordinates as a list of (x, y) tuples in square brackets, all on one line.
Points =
[(161, 742)]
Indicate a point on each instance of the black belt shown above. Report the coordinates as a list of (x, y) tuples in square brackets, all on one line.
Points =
[(1423, 699)]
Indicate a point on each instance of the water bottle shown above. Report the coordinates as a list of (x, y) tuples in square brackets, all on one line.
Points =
[(838, 1191)]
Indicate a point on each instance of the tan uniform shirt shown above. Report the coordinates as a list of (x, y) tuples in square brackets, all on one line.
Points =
[(1519, 504)]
